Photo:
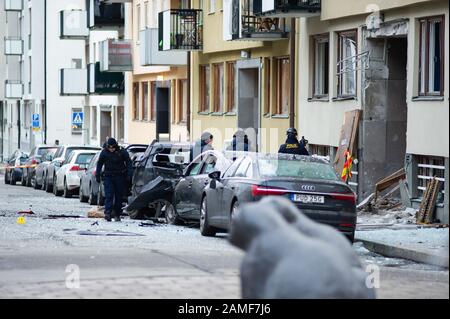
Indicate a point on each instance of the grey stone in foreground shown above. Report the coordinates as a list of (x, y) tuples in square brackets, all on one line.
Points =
[(291, 256)]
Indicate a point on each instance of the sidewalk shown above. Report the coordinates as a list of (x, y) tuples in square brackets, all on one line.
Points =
[(424, 245)]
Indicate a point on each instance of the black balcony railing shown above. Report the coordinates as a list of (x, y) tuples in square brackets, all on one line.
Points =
[(289, 6), (105, 82), (246, 24), (185, 30), (104, 14)]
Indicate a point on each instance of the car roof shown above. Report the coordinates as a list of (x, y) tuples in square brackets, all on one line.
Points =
[(75, 145), (76, 152), (293, 157)]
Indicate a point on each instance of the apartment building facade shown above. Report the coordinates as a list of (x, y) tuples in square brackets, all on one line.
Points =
[(98, 78), (35, 108), (158, 93), (389, 60), (241, 78), (22, 74)]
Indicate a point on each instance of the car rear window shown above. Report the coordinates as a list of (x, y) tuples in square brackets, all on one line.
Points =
[(45, 151), (71, 149), (84, 159), (295, 168)]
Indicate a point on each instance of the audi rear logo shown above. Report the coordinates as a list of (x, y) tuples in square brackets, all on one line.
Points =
[(308, 188)]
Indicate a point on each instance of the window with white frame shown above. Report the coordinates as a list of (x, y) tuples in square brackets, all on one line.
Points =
[(347, 63), (431, 56), (321, 65), (212, 6)]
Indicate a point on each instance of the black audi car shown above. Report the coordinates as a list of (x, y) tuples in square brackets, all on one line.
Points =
[(311, 183)]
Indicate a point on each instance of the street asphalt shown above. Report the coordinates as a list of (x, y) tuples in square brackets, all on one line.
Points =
[(41, 257)]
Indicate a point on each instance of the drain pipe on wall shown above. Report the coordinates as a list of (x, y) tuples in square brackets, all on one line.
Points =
[(188, 93), (44, 124), (292, 74)]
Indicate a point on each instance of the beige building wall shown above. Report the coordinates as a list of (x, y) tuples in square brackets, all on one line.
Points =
[(217, 50), (140, 130), (428, 124)]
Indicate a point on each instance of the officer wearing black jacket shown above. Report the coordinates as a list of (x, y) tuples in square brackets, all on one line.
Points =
[(292, 145), (117, 171)]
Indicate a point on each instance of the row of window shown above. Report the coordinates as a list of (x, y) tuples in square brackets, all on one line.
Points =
[(222, 85), (431, 65), (145, 101)]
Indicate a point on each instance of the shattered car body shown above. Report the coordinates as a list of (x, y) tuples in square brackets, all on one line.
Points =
[(155, 176)]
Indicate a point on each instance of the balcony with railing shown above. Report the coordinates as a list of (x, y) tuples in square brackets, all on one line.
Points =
[(181, 29), (13, 46), (73, 82), (287, 8), (73, 24), (105, 14), (104, 82), (151, 55), (13, 5), (13, 89), (116, 55), (246, 25)]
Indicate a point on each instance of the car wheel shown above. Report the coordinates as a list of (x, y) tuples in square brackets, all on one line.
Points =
[(23, 181), (92, 200), (28, 181), (34, 182), (48, 187), (100, 197), (205, 229), (44, 181), (234, 209), (7, 180), (83, 199), (56, 192), (171, 214), (66, 192), (12, 179)]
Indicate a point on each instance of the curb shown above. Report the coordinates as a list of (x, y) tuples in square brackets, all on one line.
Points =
[(405, 253)]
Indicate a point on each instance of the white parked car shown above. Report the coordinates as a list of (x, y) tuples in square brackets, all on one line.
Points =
[(68, 176)]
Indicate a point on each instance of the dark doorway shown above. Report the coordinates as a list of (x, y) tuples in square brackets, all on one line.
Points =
[(162, 112), (105, 125), (248, 104), (385, 111)]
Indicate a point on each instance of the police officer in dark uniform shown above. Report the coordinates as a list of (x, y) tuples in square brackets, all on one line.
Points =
[(117, 172), (292, 145)]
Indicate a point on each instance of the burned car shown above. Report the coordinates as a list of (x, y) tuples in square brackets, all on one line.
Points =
[(156, 174)]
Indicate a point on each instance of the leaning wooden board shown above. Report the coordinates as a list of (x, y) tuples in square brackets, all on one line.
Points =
[(348, 138)]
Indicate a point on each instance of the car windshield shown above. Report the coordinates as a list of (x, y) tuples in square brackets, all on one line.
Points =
[(271, 167), (84, 159), (71, 149), (45, 151)]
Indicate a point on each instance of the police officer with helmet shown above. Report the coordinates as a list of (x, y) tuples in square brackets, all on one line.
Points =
[(118, 170), (293, 145)]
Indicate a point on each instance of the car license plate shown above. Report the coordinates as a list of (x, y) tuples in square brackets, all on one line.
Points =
[(308, 199)]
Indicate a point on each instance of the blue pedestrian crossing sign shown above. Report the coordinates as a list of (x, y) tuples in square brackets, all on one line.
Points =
[(36, 122), (77, 121)]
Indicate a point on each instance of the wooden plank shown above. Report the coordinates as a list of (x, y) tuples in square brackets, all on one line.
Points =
[(432, 203), (347, 139)]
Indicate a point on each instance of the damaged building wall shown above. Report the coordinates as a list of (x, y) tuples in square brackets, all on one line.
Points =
[(383, 128)]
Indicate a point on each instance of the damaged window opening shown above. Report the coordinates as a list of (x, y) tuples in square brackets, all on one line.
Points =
[(347, 63)]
